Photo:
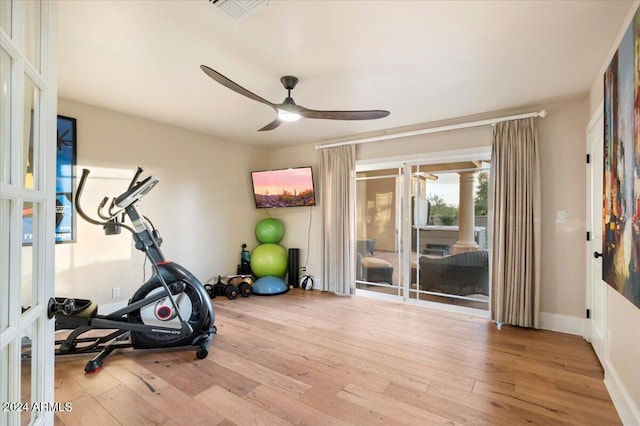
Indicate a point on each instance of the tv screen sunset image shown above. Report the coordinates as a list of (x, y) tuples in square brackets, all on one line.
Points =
[(283, 188)]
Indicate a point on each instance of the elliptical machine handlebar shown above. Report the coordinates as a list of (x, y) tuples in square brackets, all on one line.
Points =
[(81, 212), (111, 224)]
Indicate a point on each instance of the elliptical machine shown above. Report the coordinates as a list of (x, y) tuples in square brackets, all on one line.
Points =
[(171, 309)]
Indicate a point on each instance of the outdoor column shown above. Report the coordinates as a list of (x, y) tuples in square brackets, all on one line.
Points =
[(466, 214)]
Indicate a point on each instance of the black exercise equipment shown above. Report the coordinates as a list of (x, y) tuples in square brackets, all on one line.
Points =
[(222, 289), (293, 268), (171, 309)]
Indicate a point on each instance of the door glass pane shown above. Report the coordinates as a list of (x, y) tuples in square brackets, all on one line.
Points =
[(451, 263), (30, 212), (5, 15), (5, 261), (32, 32), (5, 115), (31, 133), (4, 383), (26, 375), (378, 219), (420, 220)]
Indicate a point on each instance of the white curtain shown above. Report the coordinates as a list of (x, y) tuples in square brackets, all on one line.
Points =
[(515, 252), (337, 166)]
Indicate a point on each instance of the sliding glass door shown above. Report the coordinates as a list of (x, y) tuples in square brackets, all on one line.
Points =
[(421, 234)]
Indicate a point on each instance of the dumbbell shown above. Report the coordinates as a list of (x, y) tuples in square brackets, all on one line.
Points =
[(221, 289)]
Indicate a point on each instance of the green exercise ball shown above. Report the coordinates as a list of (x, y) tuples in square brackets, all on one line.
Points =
[(269, 260), (270, 230)]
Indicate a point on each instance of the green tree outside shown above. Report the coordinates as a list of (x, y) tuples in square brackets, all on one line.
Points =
[(442, 213), (482, 195)]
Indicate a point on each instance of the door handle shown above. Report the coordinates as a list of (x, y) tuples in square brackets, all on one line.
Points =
[(596, 254)]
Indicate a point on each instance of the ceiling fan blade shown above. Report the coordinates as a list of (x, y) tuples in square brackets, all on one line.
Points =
[(275, 123), (342, 115), (233, 86)]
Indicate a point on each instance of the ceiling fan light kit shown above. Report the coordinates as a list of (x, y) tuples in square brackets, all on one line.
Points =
[(288, 110), (288, 115)]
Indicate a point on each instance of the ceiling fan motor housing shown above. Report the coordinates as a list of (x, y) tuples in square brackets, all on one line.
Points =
[(289, 81)]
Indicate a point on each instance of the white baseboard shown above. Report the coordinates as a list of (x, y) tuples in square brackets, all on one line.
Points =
[(562, 323), (627, 409)]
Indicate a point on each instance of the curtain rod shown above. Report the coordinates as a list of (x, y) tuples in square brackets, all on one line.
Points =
[(492, 121)]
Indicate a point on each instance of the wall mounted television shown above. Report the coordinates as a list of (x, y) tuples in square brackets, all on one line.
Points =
[(291, 187)]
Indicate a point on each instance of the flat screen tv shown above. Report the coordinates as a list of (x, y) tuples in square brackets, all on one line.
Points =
[(283, 188)]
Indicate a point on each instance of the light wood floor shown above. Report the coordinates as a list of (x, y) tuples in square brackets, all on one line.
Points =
[(314, 358)]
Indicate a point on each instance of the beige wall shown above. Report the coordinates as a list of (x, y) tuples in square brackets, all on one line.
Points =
[(303, 225), (622, 335), (561, 138), (202, 206)]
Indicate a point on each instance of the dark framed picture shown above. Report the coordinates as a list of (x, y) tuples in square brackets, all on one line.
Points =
[(65, 165)]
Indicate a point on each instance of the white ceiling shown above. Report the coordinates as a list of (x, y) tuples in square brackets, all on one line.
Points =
[(422, 60)]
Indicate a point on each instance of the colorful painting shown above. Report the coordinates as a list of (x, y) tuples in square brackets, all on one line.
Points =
[(621, 186), (65, 162)]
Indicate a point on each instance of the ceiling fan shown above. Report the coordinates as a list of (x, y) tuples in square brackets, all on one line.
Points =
[(288, 110)]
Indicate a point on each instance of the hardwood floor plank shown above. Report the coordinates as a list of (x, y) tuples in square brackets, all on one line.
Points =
[(290, 409), (176, 405), (192, 376), (315, 358), (129, 410), (345, 410), (440, 406), (236, 409), (399, 410), (501, 408), (85, 411), (259, 373)]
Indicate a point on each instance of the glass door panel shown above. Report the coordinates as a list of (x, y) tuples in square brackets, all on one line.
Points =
[(445, 259), (28, 291), (5, 15), (378, 216), (26, 376), (5, 115), (31, 33), (4, 383), (444, 270), (5, 261), (31, 133)]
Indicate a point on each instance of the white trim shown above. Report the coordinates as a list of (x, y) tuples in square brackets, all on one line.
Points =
[(463, 310), (627, 410), (479, 123), (562, 323), (380, 296), (452, 156), (596, 115), (423, 303)]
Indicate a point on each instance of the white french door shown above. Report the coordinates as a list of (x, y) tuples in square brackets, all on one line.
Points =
[(27, 210), (596, 287)]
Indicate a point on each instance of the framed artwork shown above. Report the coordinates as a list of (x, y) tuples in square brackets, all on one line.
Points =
[(621, 185), (65, 165)]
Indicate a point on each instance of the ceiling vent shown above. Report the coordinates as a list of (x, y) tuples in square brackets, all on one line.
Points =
[(240, 9)]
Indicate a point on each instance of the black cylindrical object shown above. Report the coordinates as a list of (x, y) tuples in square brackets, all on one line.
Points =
[(293, 268)]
